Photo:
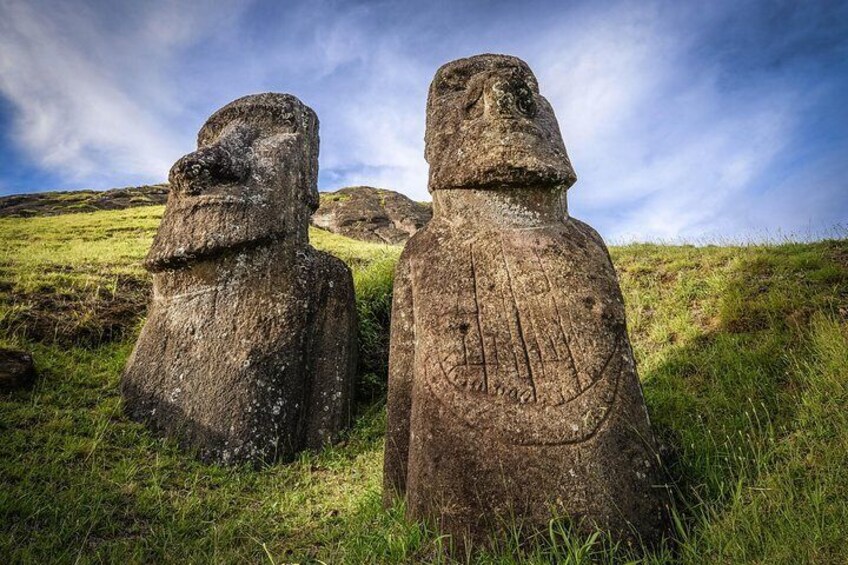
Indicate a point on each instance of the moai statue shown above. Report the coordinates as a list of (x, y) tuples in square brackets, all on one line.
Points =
[(513, 395), (248, 352)]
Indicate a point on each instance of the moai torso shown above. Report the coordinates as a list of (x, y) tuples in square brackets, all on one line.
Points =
[(513, 395), (516, 336), (230, 358), (248, 351)]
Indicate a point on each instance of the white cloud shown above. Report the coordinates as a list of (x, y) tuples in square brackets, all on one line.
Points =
[(379, 138), (658, 149), (89, 98), (661, 151), (662, 147)]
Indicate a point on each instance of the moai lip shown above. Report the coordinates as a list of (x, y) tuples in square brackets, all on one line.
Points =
[(249, 349), (513, 394)]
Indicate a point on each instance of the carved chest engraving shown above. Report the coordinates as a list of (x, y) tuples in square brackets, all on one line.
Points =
[(520, 343)]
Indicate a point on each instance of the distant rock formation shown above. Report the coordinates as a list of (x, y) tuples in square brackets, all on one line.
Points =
[(359, 212), (371, 214), (68, 202)]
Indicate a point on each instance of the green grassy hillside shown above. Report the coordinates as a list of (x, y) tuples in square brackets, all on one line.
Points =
[(743, 352)]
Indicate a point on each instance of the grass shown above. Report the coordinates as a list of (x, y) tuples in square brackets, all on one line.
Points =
[(742, 350), (334, 197)]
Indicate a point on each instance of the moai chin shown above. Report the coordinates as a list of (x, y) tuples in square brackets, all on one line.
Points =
[(513, 395), (248, 351)]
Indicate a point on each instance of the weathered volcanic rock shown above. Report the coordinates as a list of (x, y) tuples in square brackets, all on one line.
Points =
[(67, 202), (17, 370), (513, 394), (248, 352), (371, 214)]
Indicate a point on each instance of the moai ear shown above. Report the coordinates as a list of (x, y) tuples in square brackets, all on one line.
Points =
[(473, 96)]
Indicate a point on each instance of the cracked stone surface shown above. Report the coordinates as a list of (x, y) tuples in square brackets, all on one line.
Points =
[(513, 393), (248, 351)]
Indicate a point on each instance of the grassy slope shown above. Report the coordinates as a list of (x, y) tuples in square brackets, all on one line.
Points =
[(742, 350)]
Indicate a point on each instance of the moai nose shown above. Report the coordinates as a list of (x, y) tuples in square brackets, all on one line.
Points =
[(208, 166), (510, 98)]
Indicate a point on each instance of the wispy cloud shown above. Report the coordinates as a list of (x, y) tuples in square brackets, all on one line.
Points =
[(660, 151), (91, 97), (680, 120)]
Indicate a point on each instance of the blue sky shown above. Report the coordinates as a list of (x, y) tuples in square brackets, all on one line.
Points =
[(684, 120)]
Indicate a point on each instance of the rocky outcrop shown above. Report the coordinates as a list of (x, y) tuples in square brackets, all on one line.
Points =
[(17, 371), (371, 214), (359, 212), (68, 202)]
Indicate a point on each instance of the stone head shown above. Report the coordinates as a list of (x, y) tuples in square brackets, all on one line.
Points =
[(252, 179), (489, 128)]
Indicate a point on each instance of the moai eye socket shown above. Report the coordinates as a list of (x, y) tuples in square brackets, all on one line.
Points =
[(525, 102)]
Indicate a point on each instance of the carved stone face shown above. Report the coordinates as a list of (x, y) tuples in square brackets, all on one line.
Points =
[(252, 179), (488, 127)]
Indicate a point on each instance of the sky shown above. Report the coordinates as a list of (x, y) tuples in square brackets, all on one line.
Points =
[(685, 121)]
